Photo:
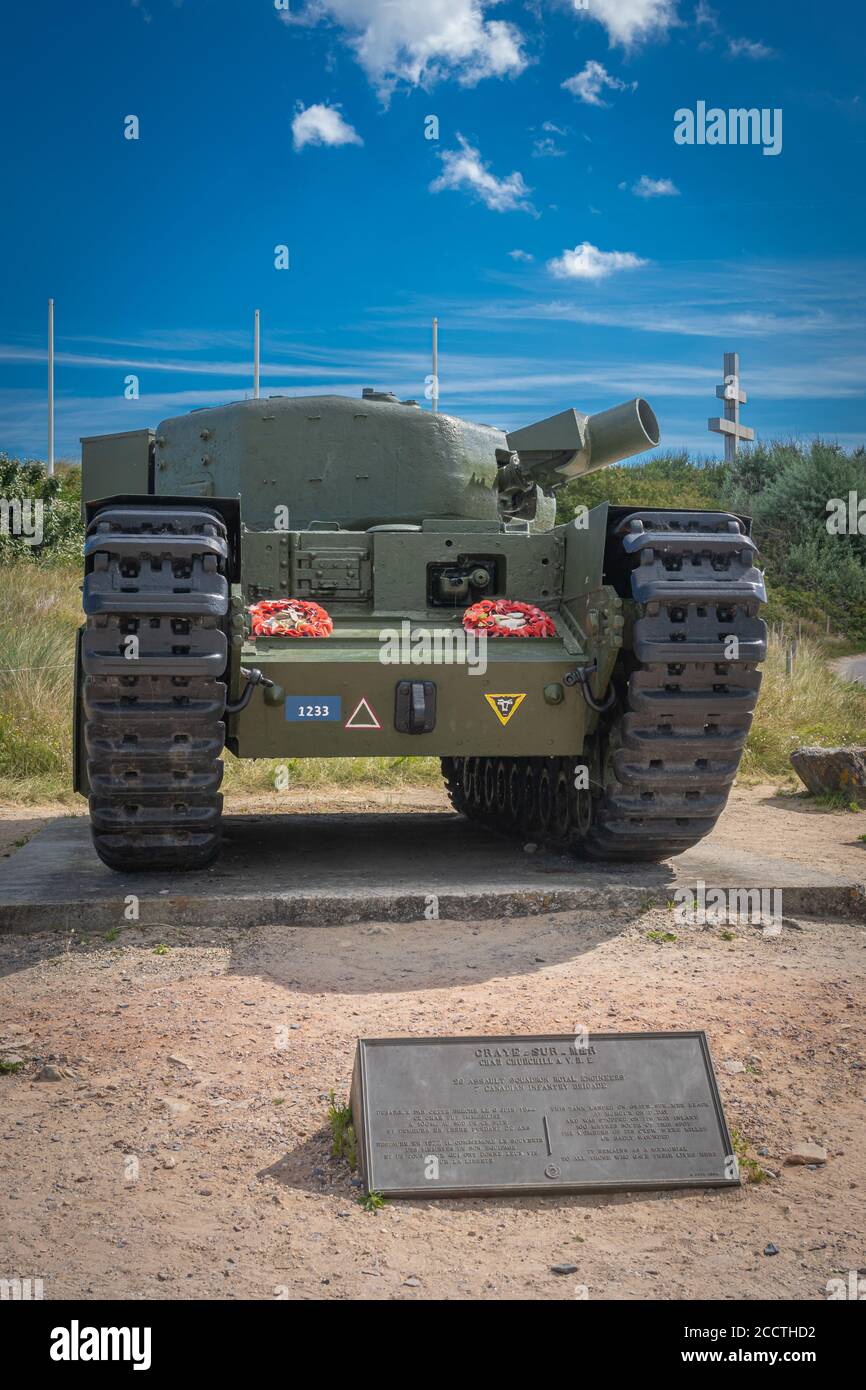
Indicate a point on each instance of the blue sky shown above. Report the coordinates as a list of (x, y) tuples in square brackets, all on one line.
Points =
[(639, 260)]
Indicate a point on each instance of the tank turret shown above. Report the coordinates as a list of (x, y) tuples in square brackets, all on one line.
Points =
[(333, 459)]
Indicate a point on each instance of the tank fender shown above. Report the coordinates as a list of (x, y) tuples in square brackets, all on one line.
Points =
[(583, 540), (589, 606)]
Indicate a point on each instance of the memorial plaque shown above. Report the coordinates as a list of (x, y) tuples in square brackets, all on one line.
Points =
[(471, 1116)]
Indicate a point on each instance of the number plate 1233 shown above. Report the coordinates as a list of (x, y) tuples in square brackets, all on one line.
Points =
[(309, 709)]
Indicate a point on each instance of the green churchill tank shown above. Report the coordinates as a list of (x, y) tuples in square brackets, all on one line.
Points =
[(327, 577)]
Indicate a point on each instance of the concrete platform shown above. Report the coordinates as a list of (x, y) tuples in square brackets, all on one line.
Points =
[(330, 869)]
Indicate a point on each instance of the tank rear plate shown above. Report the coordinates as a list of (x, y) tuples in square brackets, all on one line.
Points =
[(341, 701)]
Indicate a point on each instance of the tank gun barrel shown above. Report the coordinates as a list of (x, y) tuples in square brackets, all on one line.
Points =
[(565, 446)]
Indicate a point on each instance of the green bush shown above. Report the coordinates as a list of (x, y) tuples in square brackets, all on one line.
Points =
[(666, 480), (26, 484)]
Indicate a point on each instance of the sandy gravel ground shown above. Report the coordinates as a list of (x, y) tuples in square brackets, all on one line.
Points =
[(765, 820), (184, 1150)]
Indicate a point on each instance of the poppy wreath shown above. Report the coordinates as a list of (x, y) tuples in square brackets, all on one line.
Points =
[(289, 617), (504, 617)]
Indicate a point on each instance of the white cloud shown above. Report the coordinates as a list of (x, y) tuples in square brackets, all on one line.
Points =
[(465, 169), (749, 48), (707, 20), (589, 83), (546, 148), (518, 255), (631, 22), (322, 125), (706, 17), (419, 42), (586, 262), (654, 188)]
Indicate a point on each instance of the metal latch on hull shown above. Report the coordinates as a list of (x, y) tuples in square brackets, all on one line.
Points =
[(415, 707)]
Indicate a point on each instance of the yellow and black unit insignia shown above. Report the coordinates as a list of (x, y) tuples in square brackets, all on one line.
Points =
[(503, 706)]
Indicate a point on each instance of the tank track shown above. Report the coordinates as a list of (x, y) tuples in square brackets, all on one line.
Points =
[(153, 720), (662, 761)]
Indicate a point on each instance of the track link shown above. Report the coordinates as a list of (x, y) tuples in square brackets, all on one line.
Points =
[(662, 761), (154, 654)]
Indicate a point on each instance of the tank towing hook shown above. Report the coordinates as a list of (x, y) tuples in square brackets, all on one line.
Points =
[(253, 677), (580, 676)]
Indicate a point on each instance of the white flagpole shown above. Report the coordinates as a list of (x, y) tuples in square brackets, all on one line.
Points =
[(435, 365), (256, 355), (50, 388)]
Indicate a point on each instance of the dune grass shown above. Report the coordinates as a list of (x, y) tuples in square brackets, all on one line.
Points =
[(40, 608), (812, 706), (39, 614)]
